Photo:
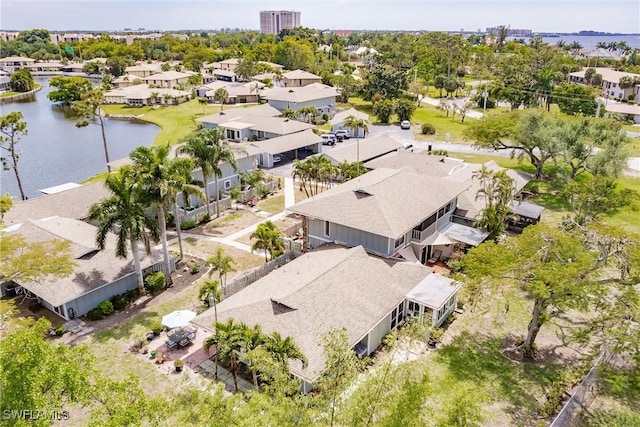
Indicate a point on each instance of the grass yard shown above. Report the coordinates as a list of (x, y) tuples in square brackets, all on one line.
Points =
[(175, 121), (273, 204), (7, 94)]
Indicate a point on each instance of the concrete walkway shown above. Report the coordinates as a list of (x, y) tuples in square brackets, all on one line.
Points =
[(289, 192)]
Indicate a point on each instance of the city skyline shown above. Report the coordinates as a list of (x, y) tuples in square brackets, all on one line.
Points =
[(453, 15)]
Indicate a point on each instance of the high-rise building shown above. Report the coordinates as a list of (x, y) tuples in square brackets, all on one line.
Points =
[(274, 21)]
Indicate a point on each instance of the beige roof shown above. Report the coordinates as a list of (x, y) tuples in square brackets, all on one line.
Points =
[(369, 149), (608, 75), (622, 108), (127, 78), (275, 125), (385, 202), (143, 67), (237, 113), (142, 91), (93, 269), (300, 74), (17, 59), (451, 170), (167, 75), (321, 290), (73, 203), (289, 142), (342, 115), (307, 93), (226, 73)]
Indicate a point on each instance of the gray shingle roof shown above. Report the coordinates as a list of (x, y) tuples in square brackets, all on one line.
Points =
[(289, 142), (321, 290), (398, 201), (307, 93), (369, 149)]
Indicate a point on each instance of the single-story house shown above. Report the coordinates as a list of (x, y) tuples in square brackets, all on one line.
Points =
[(317, 95), (142, 94), (225, 75), (45, 67), (127, 80), (168, 79), (630, 110), (337, 122), (299, 78), (335, 288), (238, 93), (74, 68), (390, 212), (364, 150)]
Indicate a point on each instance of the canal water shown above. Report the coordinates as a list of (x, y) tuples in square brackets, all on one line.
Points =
[(55, 151)]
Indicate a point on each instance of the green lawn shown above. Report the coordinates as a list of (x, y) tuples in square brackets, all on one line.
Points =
[(7, 94), (175, 121), (273, 204)]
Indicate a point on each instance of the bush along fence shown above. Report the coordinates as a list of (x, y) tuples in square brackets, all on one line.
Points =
[(258, 273), (247, 195)]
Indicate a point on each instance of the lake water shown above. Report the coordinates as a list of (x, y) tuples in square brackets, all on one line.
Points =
[(55, 152)]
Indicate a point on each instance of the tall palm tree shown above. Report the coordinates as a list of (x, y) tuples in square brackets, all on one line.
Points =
[(307, 112), (250, 339), (268, 239), (221, 263), (497, 190), (356, 124), (221, 152), (301, 172), (124, 210), (161, 178), (228, 340), (221, 95), (198, 148), (288, 114), (211, 293)]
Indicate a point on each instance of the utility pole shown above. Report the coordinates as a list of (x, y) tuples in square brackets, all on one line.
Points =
[(485, 94)]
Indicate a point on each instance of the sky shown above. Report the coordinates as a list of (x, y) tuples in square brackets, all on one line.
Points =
[(622, 16)]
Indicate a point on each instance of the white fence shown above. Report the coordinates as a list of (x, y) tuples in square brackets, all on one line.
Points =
[(195, 214), (250, 193)]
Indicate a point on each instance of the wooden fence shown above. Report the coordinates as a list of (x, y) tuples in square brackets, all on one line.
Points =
[(258, 273)]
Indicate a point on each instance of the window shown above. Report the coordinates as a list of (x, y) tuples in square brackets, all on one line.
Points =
[(326, 229), (413, 309), (399, 242), (227, 184), (59, 309), (440, 212), (427, 222), (397, 315), (448, 207)]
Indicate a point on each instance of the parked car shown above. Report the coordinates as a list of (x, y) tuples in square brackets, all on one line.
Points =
[(344, 133), (339, 138), (277, 159), (405, 124), (328, 139)]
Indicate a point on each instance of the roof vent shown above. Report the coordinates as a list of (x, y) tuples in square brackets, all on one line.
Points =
[(222, 113), (441, 160), (290, 90), (361, 192)]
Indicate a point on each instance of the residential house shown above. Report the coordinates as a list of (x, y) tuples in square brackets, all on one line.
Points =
[(610, 83), (629, 110), (300, 78), (13, 63), (261, 125), (239, 93), (364, 151), (390, 213), (98, 275), (168, 79), (45, 67), (142, 94), (317, 95), (337, 122), (144, 69), (74, 68), (126, 80), (333, 288)]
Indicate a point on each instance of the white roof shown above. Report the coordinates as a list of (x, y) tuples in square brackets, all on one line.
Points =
[(342, 115), (61, 187), (608, 75), (300, 74), (310, 92), (167, 75), (462, 233), (623, 108), (433, 291)]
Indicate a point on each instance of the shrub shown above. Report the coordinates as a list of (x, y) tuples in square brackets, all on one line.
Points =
[(105, 307), (204, 218), (325, 117), (132, 294), (157, 327), (428, 129), (95, 314), (178, 363), (119, 301), (154, 282), (187, 224), (59, 330), (195, 268)]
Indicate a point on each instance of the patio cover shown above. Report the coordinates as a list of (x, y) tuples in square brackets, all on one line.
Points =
[(433, 291), (527, 210), (462, 233), (408, 254), (438, 238), (178, 318)]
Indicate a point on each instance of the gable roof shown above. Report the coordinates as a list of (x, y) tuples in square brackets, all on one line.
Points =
[(307, 93), (289, 142), (608, 75), (342, 115), (326, 289), (395, 201), (167, 75), (369, 149), (300, 74), (265, 110)]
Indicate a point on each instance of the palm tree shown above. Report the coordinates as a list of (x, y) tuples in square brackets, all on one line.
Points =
[(124, 210), (497, 190), (221, 153), (201, 152), (268, 239), (601, 45), (288, 114), (301, 172), (211, 293), (284, 349), (307, 112), (221, 263), (161, 178), (356, 124), (228, 340), (221, 95), (250, 339)]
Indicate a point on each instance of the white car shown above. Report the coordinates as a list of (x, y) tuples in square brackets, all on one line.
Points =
[(405, 124), (277, 159), (328, 139), (344, 133)]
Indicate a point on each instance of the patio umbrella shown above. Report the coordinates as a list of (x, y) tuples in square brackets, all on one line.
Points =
[(178, 318)]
